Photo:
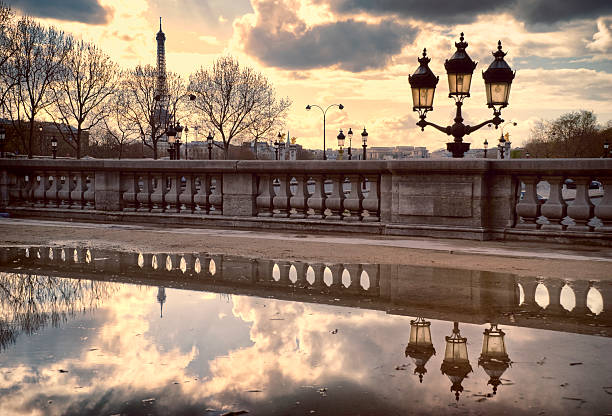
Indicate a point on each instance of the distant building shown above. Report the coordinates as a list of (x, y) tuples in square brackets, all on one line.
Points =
[(41, 140), (397, 153)]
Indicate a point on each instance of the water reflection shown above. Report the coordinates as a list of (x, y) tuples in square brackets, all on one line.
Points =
[(332, 348)]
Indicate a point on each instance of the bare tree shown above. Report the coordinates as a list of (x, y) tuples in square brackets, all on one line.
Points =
[(149, 113), (40, 53), (118, 129), (268, 117), (84, 83), (7, 46), (230, 96)]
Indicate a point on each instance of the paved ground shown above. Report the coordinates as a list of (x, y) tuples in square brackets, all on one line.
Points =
[(547, 260)]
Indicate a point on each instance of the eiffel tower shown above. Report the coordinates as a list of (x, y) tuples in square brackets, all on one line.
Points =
[(161, 85)]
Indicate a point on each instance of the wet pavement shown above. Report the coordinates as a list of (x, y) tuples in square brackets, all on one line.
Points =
[(89, 331)]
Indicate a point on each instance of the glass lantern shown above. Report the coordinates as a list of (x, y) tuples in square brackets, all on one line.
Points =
[(459, 69), (423, 84), (456, 365), (494, 357), (420, 348), (498, 79)]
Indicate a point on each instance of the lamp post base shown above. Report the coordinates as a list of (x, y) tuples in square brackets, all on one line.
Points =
[(457, 148)]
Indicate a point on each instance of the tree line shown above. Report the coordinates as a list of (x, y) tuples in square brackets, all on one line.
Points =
[(48, 76), (573, 135)]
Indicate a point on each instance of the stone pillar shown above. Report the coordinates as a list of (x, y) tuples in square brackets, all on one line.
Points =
[(529, 207), (554, 287), (108, 190), (386, 197), (239, 194), (555, 208), (4, 185), (582, 209), (581, 289)]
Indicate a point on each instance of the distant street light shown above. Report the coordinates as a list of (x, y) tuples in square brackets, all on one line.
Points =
[(309, 107), (502, 140), (210, 140), (606, 146), (340, 144), (350, 137), (179, 134), (171, 133), (2, 140), (54, 146), (459, 69), (486, 146), (364, 139)]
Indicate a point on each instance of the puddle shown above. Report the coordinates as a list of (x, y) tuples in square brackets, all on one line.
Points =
[(86, 331)]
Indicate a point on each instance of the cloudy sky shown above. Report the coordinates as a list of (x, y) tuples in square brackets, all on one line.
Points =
[(360, 52)]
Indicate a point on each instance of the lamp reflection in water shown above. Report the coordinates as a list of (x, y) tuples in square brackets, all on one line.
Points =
[(456, 365), (494, 358), (420, 348)]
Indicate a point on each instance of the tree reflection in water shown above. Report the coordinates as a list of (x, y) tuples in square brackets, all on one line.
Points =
[(30, 302)]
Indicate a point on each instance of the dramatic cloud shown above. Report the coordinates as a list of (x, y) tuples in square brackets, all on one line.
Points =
[(352, 46), (85, 11), (602, 39), (533, 12)]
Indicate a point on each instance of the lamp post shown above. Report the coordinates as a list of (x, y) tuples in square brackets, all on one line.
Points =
[(40, 137), (309, 107), (186, 150), (606, 146), (420, 348), (502, 140), (171, 133), (459, 69), (486, 146), (2, 140), (276, 145), (179, 134), (527, 154), (54, 146), (210, 140), (456, 365), (350, 137), (340, 144), (364, 139), (494, 358)]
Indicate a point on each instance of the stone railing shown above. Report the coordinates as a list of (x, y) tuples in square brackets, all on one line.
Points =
[(471, 198)]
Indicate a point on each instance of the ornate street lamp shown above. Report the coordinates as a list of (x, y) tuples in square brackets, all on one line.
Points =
[(364, 139), (486, 146), (171, 133), (309, 107), (459, 69), (340, 144), (54, 146), (179, 134), (456, 365), (350, 137), (2, 140), (186, 142), (420, 348), (502, 140), (210, 140), (494, 357)]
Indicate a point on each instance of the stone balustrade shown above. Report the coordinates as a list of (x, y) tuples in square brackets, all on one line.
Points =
[(469, 198)]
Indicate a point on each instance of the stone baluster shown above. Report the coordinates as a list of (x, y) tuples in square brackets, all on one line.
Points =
[(299, 200), (130, 190), (353, 203), (29, 181), (554, 287), (280, 201), (529, 207), (52, 190), (265, 196), (218, 259), (171, 201), (335, 201), (40, 190), (355, 273), (201, 198), (144, 194), (159, 192), (76, 196), (371, 202), (555, 208), (317, 201), (63, 195), (300, 270), (186, 197), (216, 196), (581, 289), (336, 271), (16, 190), (603, 211), (582, 209), (319, 270), (89, 195), (529, 285), (605, 289)]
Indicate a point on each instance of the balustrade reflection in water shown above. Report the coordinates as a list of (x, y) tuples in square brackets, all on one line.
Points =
[(85, 279)]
